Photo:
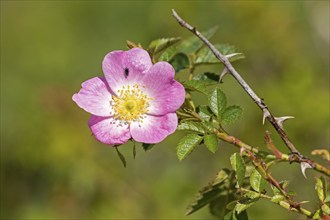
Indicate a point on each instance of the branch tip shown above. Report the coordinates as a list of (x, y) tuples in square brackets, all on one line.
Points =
[(269, 142)]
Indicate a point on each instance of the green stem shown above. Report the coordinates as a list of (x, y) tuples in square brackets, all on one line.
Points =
[(283, 204)]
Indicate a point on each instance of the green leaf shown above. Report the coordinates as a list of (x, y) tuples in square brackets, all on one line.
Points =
[(325, 208), (231, 205), (168, 54), (191, 126), (147, 147), (207, 78), (187, 145), (327, 198), (196, 85), (231, 114), (291, 193), (209, 192), (229, 215), (284, 184), (238, 165), (211, 142), (232, 215), (179, 61), (241, 216), (257, 182), (318, 214), (218, 206), (275, 190), (252, 195), (161, 44), (204, 112), (217, 102), (320, 188), (134, 150), (193, 44), (244, 204), (208, 126), (206, 56), (121, 157), (277, 198), (324, 153), (200, 82)]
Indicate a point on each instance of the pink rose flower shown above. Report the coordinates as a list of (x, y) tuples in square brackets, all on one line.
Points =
[(135, 99)]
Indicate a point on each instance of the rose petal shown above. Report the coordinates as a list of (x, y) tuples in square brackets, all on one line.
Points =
[(154, 129), (166, 93), (125, 67), (94, 97), (107, 132)]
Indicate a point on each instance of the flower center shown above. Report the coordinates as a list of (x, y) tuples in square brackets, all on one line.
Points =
[(130, 105)]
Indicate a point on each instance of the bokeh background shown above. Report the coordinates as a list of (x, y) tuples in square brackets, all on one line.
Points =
[(51, 166)]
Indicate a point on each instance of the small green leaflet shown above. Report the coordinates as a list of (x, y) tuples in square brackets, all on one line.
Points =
[(191, 126), (324, 153), (179, 61), (201, 81), (168, 54), (217, 102), (211, 142), (277, 198), (257, 182), (204, 112), (244, 204), (251, 195), (121, 156), (147, 147), (321, 212), (238, 165), (209, 192), (196, 85), (193, 44), (161, 44), (234, 216), (231, 114), (187, 145), (320, 188), (206, 56), (218, 205), (326, 209), (207, 78)]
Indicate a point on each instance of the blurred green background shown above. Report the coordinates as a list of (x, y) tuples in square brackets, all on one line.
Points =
[(51, 166)]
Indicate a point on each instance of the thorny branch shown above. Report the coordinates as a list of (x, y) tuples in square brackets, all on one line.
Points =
[(252, 153), (295, 156)]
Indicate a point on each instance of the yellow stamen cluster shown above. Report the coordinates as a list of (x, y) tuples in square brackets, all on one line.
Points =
[(130, 104)]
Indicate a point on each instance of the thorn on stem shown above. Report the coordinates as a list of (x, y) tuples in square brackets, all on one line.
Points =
[(280, 120), (223, 73), (228, 56), (265, 115), (241, 150), (304, 166)]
